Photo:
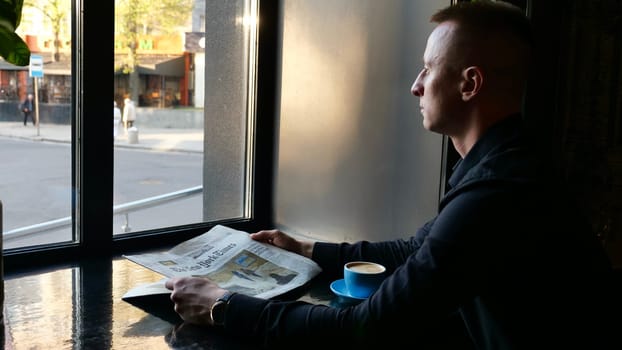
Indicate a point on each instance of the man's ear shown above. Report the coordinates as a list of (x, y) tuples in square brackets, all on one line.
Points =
[(472, 80)]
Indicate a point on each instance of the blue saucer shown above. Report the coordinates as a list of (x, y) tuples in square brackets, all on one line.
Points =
[(339, 287)]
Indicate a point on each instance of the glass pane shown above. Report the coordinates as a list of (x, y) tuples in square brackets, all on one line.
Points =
[(35, 184), (184, 106)]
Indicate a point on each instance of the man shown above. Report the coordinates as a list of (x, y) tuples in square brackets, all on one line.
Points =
[(116, 117), (507, 253), (27, 108)]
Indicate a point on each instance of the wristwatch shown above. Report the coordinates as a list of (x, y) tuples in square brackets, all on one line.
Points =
[(217, 312)]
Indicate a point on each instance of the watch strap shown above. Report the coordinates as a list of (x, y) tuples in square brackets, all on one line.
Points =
[(225, 297), (219, 308)]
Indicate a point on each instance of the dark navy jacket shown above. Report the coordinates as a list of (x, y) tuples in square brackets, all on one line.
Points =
[(508, 253)]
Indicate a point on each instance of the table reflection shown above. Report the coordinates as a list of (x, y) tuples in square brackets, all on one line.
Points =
[(80, 307)]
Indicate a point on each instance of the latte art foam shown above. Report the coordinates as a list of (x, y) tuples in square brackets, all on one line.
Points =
[(363, 267)]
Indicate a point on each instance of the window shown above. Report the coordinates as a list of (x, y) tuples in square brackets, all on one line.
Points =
[(163, 174), (143, 188), (37, 192)]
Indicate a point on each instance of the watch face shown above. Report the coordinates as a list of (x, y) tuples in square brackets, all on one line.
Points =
[(218, 313)]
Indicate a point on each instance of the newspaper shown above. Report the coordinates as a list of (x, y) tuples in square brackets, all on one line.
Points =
[(231, 259)]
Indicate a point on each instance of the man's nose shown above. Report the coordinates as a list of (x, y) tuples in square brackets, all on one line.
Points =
[(417, 88)]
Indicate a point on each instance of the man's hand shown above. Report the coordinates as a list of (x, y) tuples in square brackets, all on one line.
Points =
[(283, 240), (194, 297)]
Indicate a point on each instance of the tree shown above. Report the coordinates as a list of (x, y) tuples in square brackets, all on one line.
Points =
[(12, 48), (137, 17), (56, 11)]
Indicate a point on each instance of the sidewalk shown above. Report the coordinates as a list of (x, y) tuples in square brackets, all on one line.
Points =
[(169, 140)]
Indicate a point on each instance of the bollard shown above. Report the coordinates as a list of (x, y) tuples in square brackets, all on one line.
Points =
[(132, 135)]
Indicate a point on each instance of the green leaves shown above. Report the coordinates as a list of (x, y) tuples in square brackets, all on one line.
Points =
[(12, 48), (11, 11)]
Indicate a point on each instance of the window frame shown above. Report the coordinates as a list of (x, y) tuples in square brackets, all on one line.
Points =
[(93, 151)]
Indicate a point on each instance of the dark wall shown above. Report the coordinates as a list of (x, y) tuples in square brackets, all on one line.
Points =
[(48, 113)]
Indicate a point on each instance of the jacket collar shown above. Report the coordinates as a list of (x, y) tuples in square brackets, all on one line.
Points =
[(496, 136)]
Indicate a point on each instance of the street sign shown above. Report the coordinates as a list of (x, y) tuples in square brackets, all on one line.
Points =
[(35, 69)]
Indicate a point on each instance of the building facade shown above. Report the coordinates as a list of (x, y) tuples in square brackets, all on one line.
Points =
[(170, 66)]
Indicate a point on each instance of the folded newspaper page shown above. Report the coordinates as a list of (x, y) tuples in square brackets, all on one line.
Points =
[(231, 259)]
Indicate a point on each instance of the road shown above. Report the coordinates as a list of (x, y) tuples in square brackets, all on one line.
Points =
[(35, 186)]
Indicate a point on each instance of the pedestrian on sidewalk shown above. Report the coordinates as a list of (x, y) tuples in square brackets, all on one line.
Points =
[(117, 120), (27, 107), (129, 113)]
